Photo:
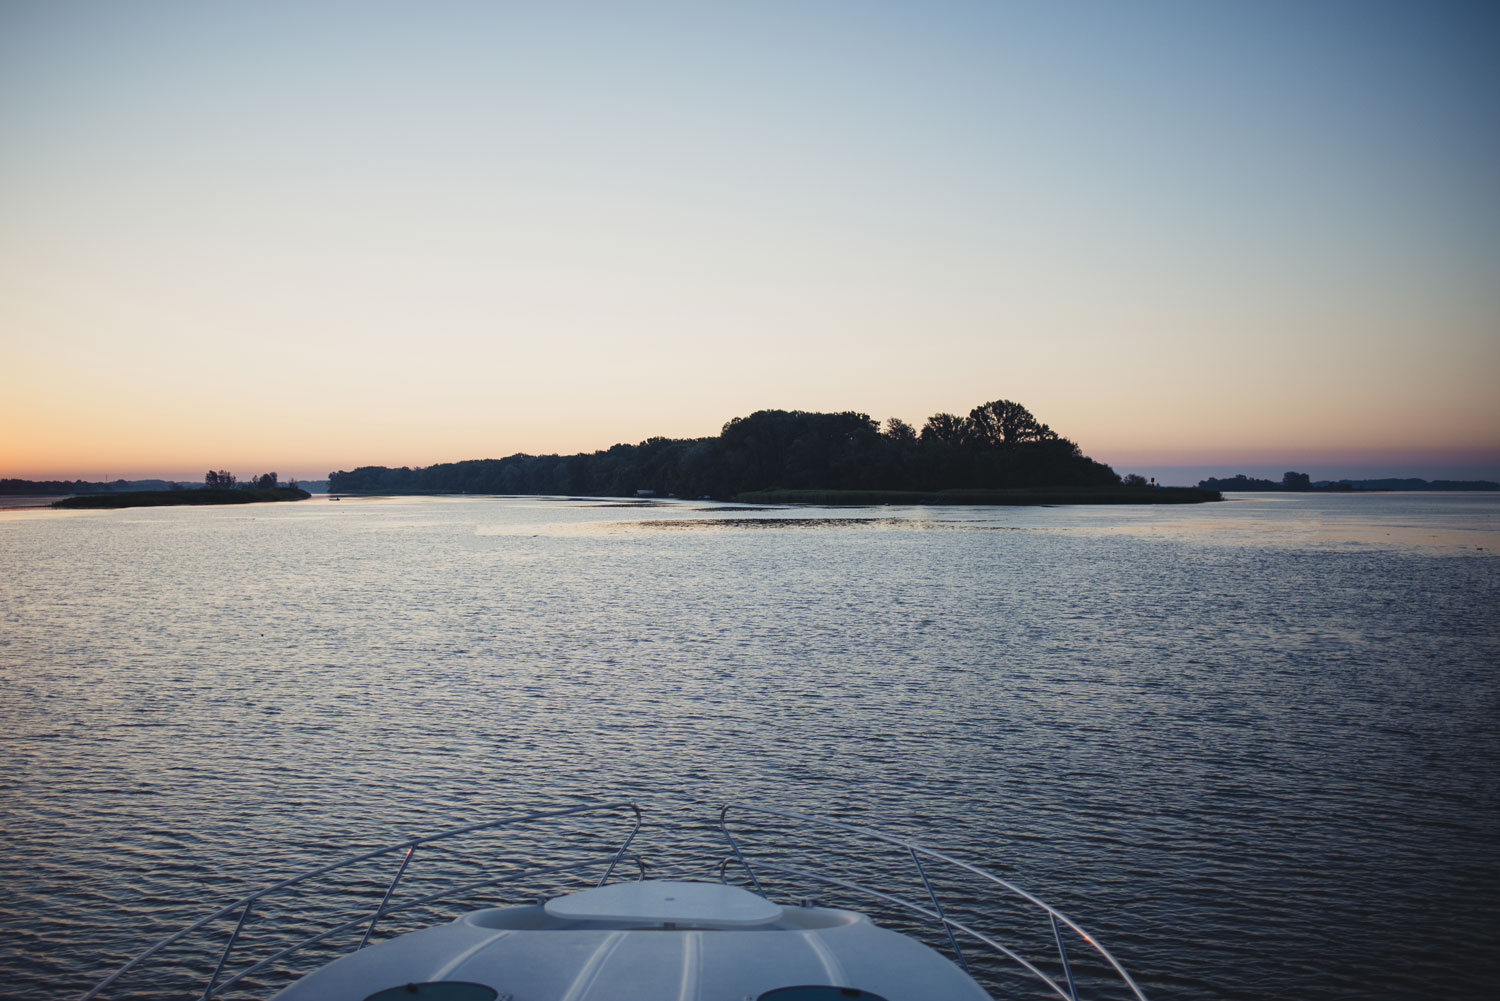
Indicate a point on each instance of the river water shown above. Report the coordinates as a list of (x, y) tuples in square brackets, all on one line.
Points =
[(1252, 745)]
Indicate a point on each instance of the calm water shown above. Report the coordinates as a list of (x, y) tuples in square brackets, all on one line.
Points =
[(1252, 745)]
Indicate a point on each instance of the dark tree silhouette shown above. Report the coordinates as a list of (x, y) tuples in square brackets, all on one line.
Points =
[(900, 432), (999, 445), (1004, 423), (945, 429)]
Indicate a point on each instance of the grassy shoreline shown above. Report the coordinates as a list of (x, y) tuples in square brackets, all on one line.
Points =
[(175, 498), (1017, 497)]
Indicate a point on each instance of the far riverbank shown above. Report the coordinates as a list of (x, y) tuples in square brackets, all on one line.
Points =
[(176, 498), (1019, 497)]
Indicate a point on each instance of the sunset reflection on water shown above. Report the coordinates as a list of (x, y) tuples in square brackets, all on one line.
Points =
[(1208, 733)]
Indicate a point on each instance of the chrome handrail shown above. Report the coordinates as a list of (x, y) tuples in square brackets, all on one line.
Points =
[(937, 914), (431, 897), (244, 904)]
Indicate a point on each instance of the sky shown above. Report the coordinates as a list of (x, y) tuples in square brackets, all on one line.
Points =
[(302, 236)]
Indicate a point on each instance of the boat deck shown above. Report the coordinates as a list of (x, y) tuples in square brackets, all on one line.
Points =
[(651, 940)]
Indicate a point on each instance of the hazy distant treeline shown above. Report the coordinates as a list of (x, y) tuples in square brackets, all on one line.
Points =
[(37, 488), (1298, 482), (999, 445), (1415, 484), (74, 488)]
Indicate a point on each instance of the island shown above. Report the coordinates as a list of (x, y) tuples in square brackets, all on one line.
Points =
[(999, 454), (219, 487), (1017, 497), (172, 498)]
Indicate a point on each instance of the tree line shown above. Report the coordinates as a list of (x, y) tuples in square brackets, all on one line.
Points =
[(1241, 483), (1303, 482), (74, 487), (223, 479), (220, 479), (999, 445)]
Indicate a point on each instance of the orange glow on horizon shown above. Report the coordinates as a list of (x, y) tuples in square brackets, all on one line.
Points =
[(403, 249)]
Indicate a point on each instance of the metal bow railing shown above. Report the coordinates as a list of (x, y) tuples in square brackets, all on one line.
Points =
[(932, 909), (1068, 990), (407, 849)]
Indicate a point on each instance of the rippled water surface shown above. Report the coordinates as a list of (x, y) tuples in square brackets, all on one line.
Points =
[(1253, 746)]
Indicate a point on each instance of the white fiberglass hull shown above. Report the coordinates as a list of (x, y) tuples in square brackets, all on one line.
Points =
[(653, 941)]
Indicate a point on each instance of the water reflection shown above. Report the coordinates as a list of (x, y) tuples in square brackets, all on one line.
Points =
[(1213, 734), (718, 523)]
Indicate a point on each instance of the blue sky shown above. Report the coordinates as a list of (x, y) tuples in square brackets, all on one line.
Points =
[(1182, 233)]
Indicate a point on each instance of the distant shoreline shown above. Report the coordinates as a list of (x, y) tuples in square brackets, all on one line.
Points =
[(1018, 497), (182, 498), (1302, 483)]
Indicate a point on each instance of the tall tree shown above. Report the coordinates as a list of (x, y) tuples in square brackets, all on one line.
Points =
[(1005, 423), (947, 429), (899, 431)]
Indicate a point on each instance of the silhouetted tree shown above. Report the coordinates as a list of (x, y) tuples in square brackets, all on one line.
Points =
[(1239, 482), (778, 449), (900, 432), (943, 428), (1002, 422)]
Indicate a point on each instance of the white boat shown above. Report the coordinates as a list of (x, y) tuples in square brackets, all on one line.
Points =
[(732, 934)]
